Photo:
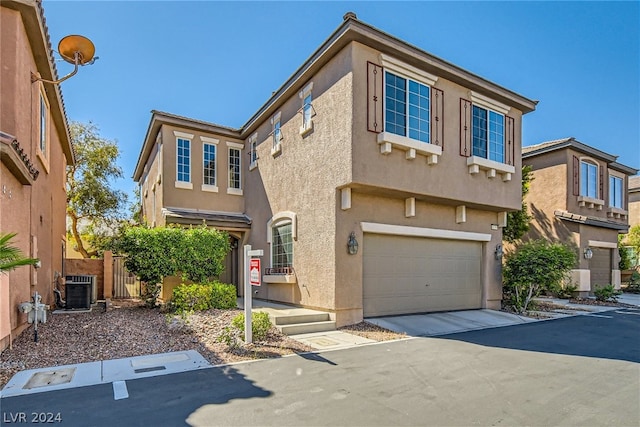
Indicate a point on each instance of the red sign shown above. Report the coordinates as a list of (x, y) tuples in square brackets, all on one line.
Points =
[(254, 272)]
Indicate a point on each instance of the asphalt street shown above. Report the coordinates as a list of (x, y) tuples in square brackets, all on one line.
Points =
[(582, 370)]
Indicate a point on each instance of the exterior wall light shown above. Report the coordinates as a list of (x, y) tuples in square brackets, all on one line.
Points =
[(498, 252), (352, 244), (588, 253)]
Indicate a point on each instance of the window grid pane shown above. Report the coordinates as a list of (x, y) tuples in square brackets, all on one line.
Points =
[(395, 102), (234, 168), (588, 180), (306, 108), (418, 111), (276, 134), (496, 137), (479, 124), (43, 125), (184, 160), (209, 156), (615, 192), (282, 246)]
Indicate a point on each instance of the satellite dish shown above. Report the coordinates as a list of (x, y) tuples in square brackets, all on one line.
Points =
[(76, 48)]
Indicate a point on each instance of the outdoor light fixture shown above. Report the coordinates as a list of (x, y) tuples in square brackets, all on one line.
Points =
[(588, 253), (498, 252), (76, 50), (352, 244)]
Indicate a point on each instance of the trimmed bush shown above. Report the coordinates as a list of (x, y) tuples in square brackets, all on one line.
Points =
[(607, 293), (203, 296), (233, 334)]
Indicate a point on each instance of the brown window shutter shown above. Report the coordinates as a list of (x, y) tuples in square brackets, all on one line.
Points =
[(509, 146), (375, 113), (576, 176), (465, 127), (437, 117)]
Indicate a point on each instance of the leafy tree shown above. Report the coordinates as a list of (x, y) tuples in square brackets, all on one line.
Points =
[(533, 267), (93, 206), (153, 253), (631, 239), (11, 257), (518, 221)]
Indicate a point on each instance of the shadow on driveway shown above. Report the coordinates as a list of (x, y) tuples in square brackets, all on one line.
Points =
[(609, 335)]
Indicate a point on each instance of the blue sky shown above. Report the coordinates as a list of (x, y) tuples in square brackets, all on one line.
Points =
[(220, 61)]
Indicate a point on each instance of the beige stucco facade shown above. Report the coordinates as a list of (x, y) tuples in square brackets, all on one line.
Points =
[(561, 211), (32, 176), (634, 201), (341, 173)]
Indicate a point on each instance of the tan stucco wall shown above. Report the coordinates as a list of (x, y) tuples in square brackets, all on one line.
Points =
[(634, 208), (37, 210), (449, 179), (302, 179)]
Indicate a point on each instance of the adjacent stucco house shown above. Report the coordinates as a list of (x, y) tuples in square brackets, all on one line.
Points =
[(579, 196), (634, 201), (36, 149), (371, 140)]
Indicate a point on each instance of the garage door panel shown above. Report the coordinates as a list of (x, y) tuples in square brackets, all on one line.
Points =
[(413, 275)]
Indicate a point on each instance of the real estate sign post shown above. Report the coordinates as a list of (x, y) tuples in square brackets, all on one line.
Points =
[(251, 270)]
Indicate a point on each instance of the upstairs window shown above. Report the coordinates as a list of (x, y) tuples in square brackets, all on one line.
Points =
[(276, 133), (209, 164), (253, 151), (407, 109), (615, 192), (44, 128), (307, 109), (588, 179), (488, 134), (183, 160), (234, 168)]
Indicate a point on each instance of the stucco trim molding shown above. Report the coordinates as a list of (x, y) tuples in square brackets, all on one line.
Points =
[(601, 244), (396, 66), (279, 217), (488, 103), (476, 164), (437, 233)]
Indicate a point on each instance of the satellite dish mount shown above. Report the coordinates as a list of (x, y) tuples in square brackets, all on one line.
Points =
[(74, 49)]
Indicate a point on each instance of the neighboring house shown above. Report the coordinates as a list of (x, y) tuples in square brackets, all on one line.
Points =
[(36, 149), (371, 141), (634, 200), (578, 196)]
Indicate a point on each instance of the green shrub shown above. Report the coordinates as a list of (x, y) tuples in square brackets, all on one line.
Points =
[(563, 290), (607, 293), (203, 296), (534, 267), (234, 333)]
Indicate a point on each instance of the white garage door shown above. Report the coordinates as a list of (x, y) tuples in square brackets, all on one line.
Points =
[(418, 275)]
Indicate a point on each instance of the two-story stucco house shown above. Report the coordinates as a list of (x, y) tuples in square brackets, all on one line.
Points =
[(371, 142), (36, 148), (579, 196), (634, 201)]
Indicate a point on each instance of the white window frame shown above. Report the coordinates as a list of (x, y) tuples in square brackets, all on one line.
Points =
[(44, 128), (187, 185), (307, 120), (613, 176), (282, 218), (276, 136), (238, 147), (253, 151), (214, 143)]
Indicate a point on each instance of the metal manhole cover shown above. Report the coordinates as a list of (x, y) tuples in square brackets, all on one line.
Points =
[(49, 378)]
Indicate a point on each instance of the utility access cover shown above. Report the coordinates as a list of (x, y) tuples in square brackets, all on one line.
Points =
[(49, 378)]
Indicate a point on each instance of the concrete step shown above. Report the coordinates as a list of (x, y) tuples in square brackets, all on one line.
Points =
[(307, 328), (290, 319)]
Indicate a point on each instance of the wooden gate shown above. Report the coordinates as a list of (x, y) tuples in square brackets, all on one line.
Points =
[(125, 284)]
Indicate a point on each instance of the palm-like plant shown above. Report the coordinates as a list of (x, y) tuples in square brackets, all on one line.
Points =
[(10, 256)]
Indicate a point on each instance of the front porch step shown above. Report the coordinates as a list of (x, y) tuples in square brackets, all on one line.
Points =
[(290, 319), (307, 328)]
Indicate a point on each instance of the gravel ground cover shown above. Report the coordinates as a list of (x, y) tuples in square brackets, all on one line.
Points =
[(128, 329)]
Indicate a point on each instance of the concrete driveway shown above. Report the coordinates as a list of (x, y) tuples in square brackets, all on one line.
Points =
[(434, 324)]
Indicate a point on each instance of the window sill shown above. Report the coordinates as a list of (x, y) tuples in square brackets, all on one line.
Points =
[(305, 130), (234, 191), (184, 185), (276, 150), (388, 141), (209, 188), (279, 278), (491, 167), (590, 203), (617, 213), (252, 166)]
